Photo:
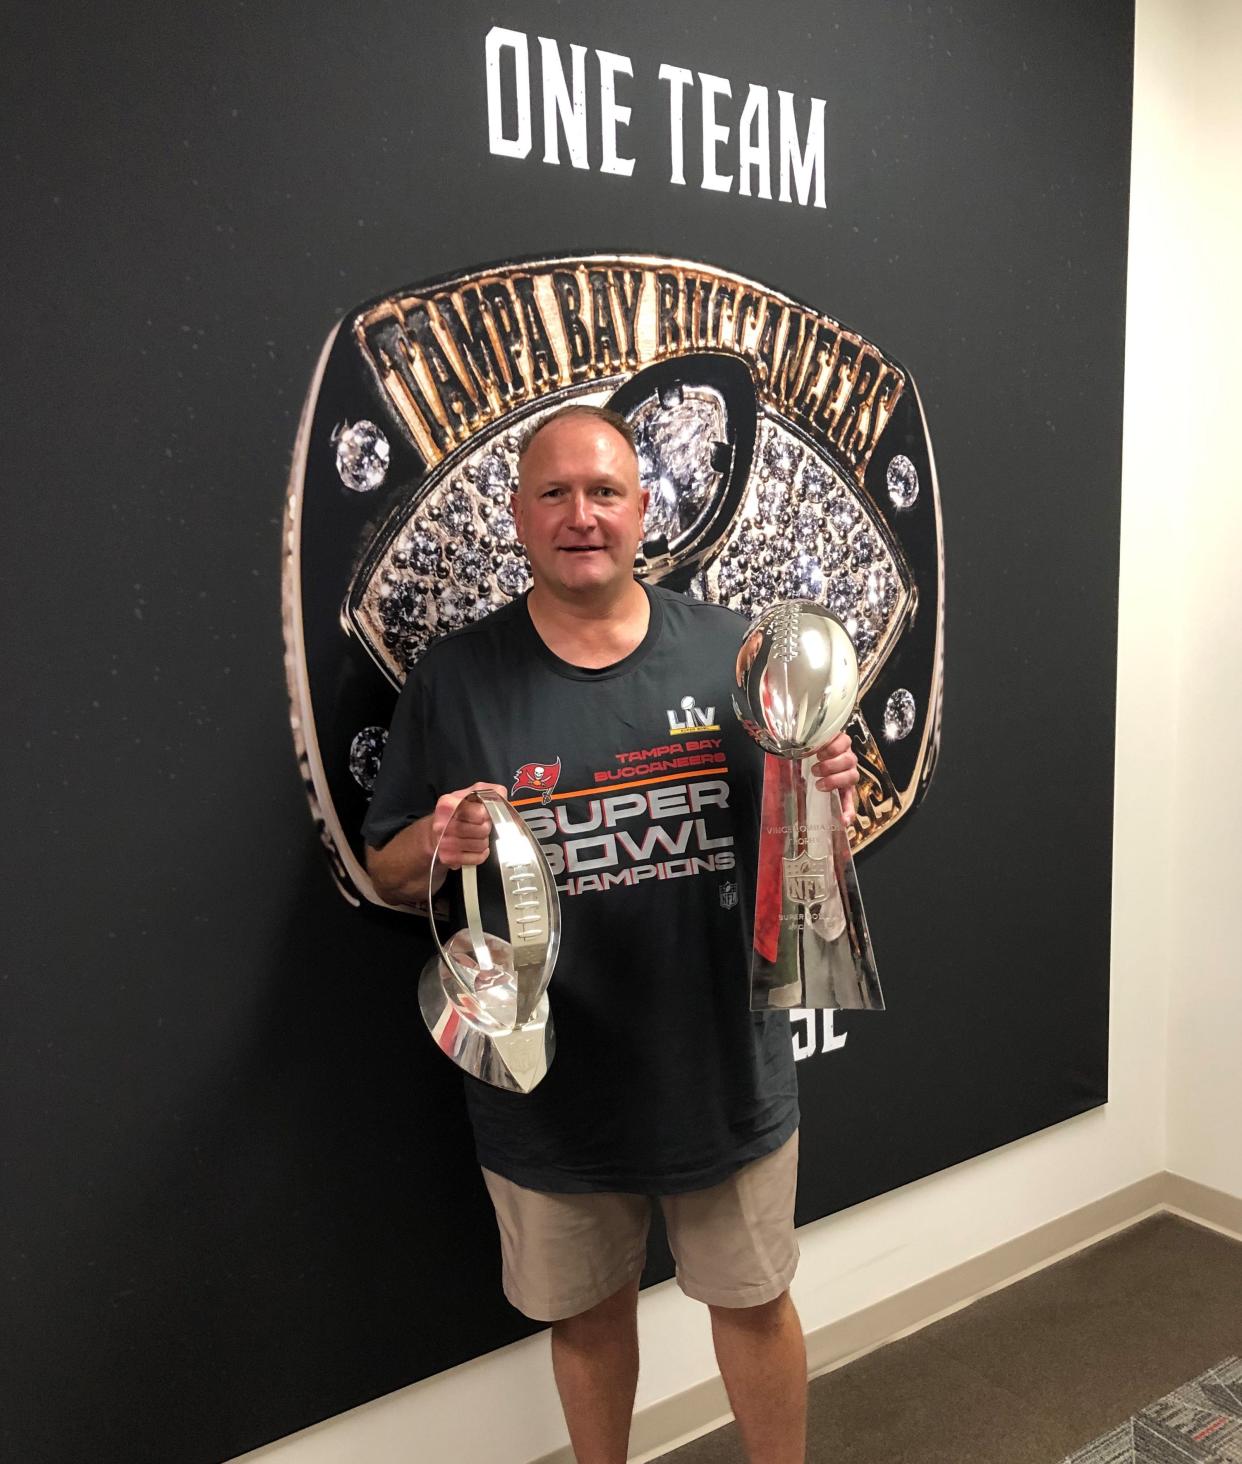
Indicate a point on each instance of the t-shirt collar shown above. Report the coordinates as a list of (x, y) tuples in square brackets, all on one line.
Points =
[(655, 620)]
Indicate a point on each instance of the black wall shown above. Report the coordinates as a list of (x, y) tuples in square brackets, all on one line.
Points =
[(238, 1186)]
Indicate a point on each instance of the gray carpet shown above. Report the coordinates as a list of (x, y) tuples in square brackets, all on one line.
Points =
[(1028, 1375), (1201, 1420)]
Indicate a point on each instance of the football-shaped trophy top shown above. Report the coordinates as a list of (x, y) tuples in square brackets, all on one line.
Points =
[(797, 678)]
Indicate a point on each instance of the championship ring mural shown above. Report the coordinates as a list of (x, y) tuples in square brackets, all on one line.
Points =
[(787, 457)]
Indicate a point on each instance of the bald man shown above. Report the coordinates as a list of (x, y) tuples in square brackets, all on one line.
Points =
[(645, 797)]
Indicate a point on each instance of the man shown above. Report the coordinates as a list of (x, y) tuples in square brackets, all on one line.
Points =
[(591, 690)]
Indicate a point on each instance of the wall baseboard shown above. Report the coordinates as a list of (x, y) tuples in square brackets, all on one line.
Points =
[(675, 1421), (1200, 1202)]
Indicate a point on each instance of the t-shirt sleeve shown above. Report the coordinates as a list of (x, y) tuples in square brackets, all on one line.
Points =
[(403, 792)]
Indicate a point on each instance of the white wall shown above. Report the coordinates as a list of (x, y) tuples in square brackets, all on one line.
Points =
[(1203, 107), (1172, 886)]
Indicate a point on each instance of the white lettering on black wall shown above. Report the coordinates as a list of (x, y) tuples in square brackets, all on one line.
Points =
[(730, 146)]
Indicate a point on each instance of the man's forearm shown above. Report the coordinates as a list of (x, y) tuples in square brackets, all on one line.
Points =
[(401, 869)]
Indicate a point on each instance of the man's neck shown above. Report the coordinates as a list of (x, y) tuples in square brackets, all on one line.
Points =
[(591, 634)]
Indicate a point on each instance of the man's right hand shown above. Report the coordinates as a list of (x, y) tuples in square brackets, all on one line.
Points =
[(401, 870), (463, 835)]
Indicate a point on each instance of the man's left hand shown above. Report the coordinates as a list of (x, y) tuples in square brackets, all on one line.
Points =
[(836, 766)]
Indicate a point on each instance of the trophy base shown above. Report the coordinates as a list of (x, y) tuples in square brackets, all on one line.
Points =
[(470, 1033), (811, 946)]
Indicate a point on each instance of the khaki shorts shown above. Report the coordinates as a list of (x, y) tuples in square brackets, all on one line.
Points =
[(733, 1244)]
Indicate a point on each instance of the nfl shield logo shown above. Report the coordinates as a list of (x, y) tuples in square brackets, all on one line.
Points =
[(728, 894), (806, 880)]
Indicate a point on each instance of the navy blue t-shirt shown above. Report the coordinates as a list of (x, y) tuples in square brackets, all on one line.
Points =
[(644, 791)]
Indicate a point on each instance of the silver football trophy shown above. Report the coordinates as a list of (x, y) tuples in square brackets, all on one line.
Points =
[(797, 684), (484, 998)]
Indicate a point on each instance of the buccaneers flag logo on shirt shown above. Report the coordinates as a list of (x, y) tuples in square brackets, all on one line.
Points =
[(539, 776)]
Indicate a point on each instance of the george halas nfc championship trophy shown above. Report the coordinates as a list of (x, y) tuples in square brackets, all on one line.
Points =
[(484, 997)]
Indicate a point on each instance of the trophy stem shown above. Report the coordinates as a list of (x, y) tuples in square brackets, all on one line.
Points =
[(811, 945)]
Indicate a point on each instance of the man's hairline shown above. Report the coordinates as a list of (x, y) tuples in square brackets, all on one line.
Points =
[(586, 411), (586, 416)]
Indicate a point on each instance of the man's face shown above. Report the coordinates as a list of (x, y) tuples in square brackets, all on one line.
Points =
[(579, 508)]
